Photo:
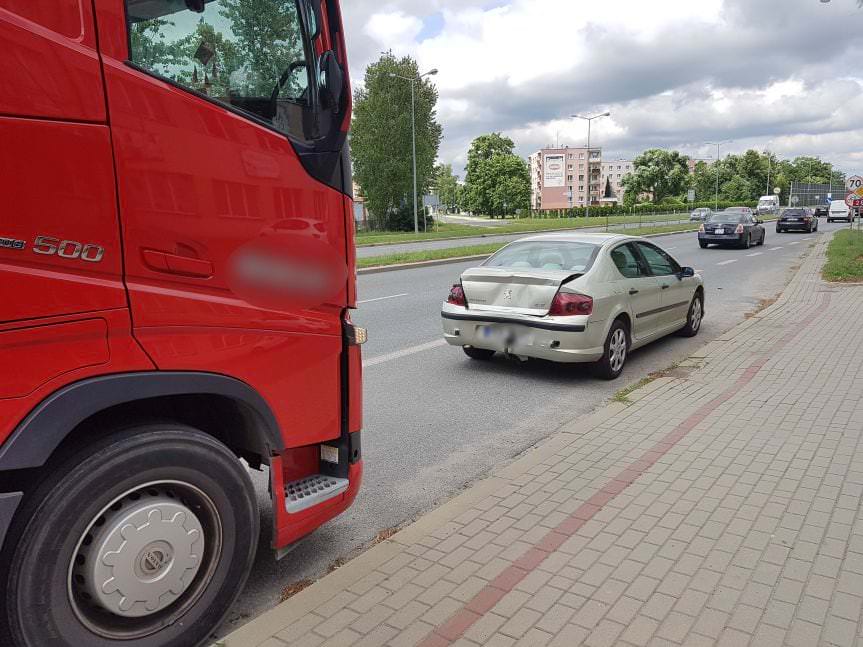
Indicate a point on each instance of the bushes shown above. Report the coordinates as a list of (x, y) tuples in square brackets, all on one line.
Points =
[(619, 210)]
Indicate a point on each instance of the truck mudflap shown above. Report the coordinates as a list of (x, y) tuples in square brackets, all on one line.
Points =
[(305, 497)]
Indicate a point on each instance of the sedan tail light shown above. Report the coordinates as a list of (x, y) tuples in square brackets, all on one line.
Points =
[(739, 229), (456, 296), (567, 304)]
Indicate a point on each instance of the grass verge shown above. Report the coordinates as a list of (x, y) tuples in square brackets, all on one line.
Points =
[(845, 257), (526, 225), (477, 250)]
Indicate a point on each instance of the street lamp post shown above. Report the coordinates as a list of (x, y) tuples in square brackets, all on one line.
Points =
[(413, 82), (589, 120), (717, 144), (769, 169)]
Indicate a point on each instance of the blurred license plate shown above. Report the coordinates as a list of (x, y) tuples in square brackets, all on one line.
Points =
[(719, 231), (505, 334)]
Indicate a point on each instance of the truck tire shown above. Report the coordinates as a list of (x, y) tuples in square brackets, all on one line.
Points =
[(143, 539)]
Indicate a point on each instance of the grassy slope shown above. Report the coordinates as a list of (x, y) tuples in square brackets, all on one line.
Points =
[(845, 257)]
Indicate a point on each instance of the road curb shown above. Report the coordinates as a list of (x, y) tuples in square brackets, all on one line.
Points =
[(459, 259)]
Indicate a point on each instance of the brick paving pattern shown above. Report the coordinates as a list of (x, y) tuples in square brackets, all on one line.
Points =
[(722, 508)]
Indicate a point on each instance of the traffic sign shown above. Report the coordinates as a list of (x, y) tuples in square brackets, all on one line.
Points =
[(854, 184), (853, 200), (777, 190)]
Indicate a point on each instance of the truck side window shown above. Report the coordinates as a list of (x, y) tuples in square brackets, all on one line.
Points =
[(252, 56)]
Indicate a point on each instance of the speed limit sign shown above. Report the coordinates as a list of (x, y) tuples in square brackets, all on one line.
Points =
[(854, 184)]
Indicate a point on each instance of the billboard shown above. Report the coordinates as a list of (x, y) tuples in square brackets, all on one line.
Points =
[(554, 171)]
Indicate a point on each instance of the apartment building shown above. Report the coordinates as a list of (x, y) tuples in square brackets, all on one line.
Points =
[(565, 177), (611, 180)]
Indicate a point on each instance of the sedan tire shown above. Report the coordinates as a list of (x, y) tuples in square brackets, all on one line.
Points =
[(694, 318), (483, 354), (702, 244), (616, 350)]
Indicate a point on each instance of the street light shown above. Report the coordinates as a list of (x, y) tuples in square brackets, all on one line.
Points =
[(589, 120), (413, 82), (718, 144)]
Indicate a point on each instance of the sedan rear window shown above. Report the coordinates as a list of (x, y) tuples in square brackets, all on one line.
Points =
[(727, 217), (546, 255)]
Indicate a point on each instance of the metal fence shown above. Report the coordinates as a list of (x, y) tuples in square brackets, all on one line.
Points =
[(810, 195)]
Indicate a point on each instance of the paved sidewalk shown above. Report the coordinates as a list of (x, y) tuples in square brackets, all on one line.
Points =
[(721, 507)]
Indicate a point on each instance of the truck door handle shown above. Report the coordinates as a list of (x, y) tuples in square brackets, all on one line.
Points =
[(633, 291), (176, 264), (665, 287)]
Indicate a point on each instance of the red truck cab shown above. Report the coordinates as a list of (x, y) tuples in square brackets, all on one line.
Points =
[(176, 272)]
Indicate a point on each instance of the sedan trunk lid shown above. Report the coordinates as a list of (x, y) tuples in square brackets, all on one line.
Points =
[(513, 291)]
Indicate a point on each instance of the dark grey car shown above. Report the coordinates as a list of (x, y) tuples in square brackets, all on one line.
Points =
[(799, 219), (736, 226)]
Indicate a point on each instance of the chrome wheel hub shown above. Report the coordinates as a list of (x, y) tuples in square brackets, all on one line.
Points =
[(144, 557)]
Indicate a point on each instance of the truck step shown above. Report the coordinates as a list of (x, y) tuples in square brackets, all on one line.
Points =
[(311, 491)]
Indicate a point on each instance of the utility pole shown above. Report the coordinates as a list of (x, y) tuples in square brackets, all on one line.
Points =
[(589, 120), (413, 83), (717, 144)]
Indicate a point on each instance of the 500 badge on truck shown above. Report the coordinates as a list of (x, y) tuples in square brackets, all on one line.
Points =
[(70, 249)]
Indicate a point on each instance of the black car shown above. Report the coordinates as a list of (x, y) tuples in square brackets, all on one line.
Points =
[(799, 219), (735, 226), (821, 211)]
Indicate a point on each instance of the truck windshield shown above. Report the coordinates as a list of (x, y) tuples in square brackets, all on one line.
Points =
[(251, 55)]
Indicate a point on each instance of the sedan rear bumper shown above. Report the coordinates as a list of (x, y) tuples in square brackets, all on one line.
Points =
[(554, 341), (722, 239)]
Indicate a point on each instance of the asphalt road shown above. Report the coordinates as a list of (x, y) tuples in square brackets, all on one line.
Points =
[(436, 421), (485, 239)]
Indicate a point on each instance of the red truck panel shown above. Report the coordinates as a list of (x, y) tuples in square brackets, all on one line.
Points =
[(49, 65)]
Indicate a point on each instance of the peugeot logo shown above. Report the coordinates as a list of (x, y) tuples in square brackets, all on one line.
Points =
[(507, 295)]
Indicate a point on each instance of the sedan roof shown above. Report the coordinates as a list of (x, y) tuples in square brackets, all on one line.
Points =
[(595, 239)]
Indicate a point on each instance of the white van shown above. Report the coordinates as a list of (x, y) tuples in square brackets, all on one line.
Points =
[(838, 211), (768, 205)]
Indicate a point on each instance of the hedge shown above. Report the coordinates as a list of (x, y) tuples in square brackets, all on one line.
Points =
[(602, 212)]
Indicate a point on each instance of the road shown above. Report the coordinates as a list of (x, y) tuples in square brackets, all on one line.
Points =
[(485, 239), (436, 421)]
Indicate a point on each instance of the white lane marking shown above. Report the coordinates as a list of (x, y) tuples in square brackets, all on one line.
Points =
[(773, 249), (395, 296), (733, 260), (755, 254), (809, 238), (796, 242), (413, 350)]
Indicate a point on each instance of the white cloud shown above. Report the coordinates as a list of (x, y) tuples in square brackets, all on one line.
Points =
[(673, 72)]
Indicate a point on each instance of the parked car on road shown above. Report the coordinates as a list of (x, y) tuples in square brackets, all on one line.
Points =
[(700, 215), (799, 219), (839, 211), (589, 298), (734, 226)]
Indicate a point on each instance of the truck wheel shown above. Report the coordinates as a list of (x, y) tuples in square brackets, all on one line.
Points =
[(143, 539)]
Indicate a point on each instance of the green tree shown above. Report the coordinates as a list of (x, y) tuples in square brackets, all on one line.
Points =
[(658, 172), (497, 180), (447, 187), (381, 139)]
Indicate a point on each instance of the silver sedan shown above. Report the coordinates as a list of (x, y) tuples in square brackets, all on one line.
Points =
[(573, 298)]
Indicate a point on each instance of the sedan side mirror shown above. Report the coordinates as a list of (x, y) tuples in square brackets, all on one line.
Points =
[(686, 273)]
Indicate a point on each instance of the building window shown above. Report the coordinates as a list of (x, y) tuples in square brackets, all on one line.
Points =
[(581, 157)]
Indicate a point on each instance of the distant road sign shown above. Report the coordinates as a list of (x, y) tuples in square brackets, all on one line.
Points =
[(853, 200), (690, 195), (777, 191)]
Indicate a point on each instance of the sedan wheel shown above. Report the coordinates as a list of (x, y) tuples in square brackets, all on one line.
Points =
[(694, 318), (616, 350)]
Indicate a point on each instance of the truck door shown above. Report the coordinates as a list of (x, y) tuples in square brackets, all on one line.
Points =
[(59, 236), (235, 255)]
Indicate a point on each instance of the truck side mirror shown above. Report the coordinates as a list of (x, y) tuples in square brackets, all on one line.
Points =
[(332, 81)]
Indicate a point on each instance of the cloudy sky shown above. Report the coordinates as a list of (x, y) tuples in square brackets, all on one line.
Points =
[(780, 74)]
